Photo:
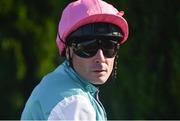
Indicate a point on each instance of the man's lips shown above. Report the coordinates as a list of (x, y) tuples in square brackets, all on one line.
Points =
[(98, 71)]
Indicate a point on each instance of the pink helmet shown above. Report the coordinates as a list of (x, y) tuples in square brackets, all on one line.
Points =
[(82, 12)]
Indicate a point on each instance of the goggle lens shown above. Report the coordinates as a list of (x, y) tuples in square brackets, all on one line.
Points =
[(89, 48)]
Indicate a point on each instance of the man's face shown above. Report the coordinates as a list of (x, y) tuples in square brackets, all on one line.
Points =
[(96, 69)]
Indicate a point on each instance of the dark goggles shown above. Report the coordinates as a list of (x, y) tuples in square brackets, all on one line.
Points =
[(89, 47)]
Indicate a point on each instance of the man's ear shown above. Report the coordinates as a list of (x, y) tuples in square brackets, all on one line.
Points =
[(68, 53)]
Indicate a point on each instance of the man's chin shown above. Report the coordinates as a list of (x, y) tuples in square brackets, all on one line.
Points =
[(99, 81)]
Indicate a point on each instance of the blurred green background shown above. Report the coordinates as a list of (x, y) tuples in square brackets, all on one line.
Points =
[(148, 83)]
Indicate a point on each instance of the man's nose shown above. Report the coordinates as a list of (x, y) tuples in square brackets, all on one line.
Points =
[(99, 57)]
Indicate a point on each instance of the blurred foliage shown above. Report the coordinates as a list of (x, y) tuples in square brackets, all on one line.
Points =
[(148, 82)]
